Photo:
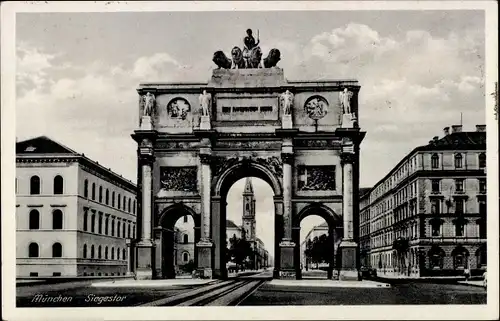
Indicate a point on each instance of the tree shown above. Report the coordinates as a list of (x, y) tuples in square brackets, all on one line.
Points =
[(240, 250), (319, 250)]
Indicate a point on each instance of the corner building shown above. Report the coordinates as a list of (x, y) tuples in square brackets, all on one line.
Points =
[(73, 216), (427, 217), (191, 149)]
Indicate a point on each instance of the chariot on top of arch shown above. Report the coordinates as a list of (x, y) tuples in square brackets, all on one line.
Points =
[(249, 57)]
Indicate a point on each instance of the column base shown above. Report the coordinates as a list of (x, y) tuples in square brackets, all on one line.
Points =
[(287, 267), (145, 260), (204, 268), (348, 251)]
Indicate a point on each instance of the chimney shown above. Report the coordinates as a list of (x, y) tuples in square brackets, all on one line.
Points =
[(480, 128), (446, 131), (456, 129), (435, 138)]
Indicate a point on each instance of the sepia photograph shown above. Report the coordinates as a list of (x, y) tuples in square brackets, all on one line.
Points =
[(312, 156)]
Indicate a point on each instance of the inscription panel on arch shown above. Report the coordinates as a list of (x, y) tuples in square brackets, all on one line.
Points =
[(316, 178), (182, 179)]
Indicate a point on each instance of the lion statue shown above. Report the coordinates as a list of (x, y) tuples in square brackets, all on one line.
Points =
[(254, 58), (272, 58), (238, 61), (221, 60)]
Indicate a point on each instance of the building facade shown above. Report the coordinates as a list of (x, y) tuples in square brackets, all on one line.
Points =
[(184, 245), (427, 216), (316, 231), (73, 216)]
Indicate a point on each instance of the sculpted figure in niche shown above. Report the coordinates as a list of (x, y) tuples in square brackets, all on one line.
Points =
[(149, 102), (345, 100), (287, 102), (205, 99)]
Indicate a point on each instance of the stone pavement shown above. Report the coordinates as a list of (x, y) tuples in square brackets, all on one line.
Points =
[(330, 283), (473, 283), (152, 283)]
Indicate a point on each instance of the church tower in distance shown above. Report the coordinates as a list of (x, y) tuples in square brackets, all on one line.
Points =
[(249, 211)]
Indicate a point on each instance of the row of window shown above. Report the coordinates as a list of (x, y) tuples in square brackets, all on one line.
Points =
[(411, 232), (34, 220), (36, 188), (122, 229), (34, 250), (125, 206), (107, 255), (410, 167), (459, 185)]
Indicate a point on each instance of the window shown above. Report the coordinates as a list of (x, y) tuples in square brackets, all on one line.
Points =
[(92, 223), (100, 223), (435, 185), (106, 226), (481, 256), (57, 220), (459, 228), (118, 229), (85, 219), (99, 252), (34, 220), (119, 201), (185, 257), (113, 226), (482, 208), (458, 160), (185, 218), (459, 185), (34, 185), (33, 250), (93, 191), (57, 250), (436, 258), (124, 203), (123, 230), (106, 252), (92, 252), (124, 257), (482, 185), (186, 239), (482, 160), (86, 188), (100, 194), (435, 227), (460, 258), (112, 253), (84, 251), (58, 185), (107, 197), (113, 199), (128, 230), (129, 205), (459, 206), (133, 232), (117, 254), (248, 207), (33, 273), (435, 160), (133, 208), (435, 206)]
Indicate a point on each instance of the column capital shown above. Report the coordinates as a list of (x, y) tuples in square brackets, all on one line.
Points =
[(347, 158), (287, 158)]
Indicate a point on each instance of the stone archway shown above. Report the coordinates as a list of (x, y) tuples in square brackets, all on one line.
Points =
[(221, 183), (165, 239), (335, 234)]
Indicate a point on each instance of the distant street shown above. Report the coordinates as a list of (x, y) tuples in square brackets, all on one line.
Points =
[(247, 290)]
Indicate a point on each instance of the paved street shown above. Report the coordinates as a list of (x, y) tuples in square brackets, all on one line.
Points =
[(248, 290)]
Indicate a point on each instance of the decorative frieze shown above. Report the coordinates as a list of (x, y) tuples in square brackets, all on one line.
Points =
[(273, 163), (179, 178), (253, 144), (318, 143), (170, 145), (316, 178)]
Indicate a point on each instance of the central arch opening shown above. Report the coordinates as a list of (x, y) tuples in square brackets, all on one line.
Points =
[(233, 212), (249, 227)]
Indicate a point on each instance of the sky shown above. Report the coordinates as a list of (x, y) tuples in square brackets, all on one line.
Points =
[(418, 70)]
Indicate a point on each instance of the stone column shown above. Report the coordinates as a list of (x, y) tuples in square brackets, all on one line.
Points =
[(130, 258), (348, 246), (205, 244), (287, 269), (145, 246)]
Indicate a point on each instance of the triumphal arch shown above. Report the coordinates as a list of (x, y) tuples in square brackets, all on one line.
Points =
[(196, 139)]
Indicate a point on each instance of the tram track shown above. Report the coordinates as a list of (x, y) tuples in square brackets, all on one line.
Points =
[(224, 293)]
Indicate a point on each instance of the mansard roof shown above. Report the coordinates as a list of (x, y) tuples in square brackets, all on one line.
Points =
[(45, 149)]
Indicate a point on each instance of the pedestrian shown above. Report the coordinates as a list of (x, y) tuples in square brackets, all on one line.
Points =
[(467, 274)]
